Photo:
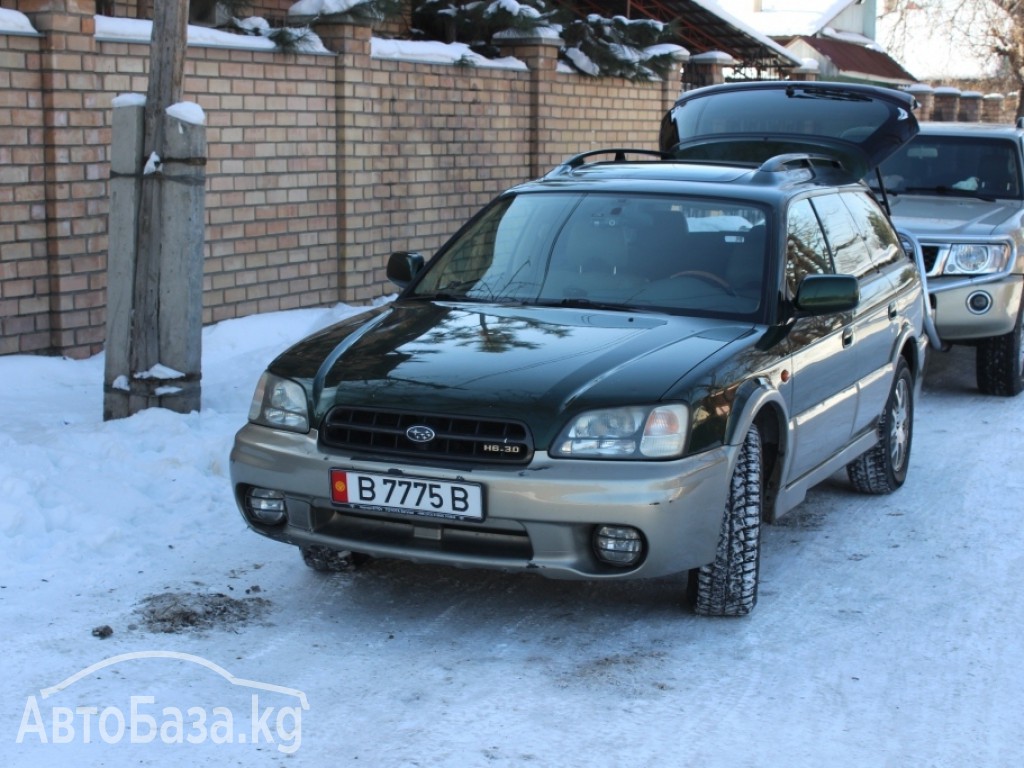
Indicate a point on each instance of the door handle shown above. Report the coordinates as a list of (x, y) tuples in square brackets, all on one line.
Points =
[(847, 336), (893, 311)]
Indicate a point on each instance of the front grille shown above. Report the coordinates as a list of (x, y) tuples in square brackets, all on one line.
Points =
[(931, 255), (414, 535), (366, 430)]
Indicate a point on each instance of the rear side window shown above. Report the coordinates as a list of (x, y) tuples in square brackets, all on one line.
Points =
[(882, 242), (849, 250), (806, 249)]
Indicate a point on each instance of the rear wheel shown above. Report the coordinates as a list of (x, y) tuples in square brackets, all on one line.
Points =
[(327, 560), (883, 469), (728, 586), (999, 361)]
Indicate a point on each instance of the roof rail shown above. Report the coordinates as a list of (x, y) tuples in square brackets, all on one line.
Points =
[(619, 153)]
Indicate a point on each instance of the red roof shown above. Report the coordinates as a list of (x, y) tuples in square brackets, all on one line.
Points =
[(856, 59)]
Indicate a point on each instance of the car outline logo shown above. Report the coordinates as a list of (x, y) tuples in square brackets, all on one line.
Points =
[(420, 433), (189, 657)]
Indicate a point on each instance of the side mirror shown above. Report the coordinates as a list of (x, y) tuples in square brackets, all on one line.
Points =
[(826, 294), (403, 266)]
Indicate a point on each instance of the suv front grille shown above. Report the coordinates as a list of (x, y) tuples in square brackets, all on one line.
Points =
[(931, 255), (367, 430)]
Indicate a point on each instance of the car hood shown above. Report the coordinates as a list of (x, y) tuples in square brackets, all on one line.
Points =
[(526, 363), (859, 125), (935, 216)]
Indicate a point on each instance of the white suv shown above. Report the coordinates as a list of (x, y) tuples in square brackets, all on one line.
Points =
[(959, 189)]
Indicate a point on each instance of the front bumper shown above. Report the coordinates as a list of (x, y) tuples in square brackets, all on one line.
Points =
[(954, 319), (539, 517)]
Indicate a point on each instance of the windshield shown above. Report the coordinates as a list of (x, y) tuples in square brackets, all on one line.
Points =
[(647, 252), (968, 166)]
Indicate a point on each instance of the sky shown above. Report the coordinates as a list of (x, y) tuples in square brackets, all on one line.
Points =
[(144, 624)]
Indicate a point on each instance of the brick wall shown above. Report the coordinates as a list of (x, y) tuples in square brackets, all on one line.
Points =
[(319, 165)]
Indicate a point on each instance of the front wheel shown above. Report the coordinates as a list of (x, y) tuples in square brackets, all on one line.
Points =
[(883, 469), (728, 586), (999, 361), (327, 560)]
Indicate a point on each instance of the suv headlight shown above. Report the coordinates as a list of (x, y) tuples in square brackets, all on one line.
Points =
[(279, 403), (976, 258), (657, 432)]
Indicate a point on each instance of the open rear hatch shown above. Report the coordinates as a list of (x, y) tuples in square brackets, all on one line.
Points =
[(750, 122)]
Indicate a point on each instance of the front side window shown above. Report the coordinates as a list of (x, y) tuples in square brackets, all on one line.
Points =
[(651, 252)]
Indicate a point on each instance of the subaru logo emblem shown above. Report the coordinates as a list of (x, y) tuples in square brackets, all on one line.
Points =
[(420, 434)]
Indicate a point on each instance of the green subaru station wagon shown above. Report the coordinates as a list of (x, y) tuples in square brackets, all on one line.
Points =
[(620, 370)]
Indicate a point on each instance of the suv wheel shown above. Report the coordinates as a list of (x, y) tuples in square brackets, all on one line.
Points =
[(728, 586), (1000, 361), (884, 468), (329, 560)]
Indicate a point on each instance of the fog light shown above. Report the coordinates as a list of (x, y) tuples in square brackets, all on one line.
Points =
[(979, 302), (265, 505), (618, 544)]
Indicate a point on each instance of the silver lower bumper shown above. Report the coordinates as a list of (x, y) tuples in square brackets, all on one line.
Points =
[(538, 517)]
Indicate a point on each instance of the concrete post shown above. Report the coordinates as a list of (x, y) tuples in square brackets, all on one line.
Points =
[(125, 185), (181, 264)]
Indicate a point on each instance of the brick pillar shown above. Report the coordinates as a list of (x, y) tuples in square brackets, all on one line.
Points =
[(24, 280), (808, 71), (540, 54), (925, 96), (947, 104), (1011, 106), (707, 68), (360, 199), (970, 107), (992, 108), (75, 144)]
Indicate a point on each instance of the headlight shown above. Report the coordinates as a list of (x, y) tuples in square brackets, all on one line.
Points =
[(976, 258), (279, 403), (625, 433)]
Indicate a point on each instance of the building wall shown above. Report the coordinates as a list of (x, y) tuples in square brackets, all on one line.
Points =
[(319, 166)]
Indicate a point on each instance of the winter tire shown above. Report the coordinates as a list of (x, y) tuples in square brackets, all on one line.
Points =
[(329, 560), (884, 468), (1000, 361), (728, 586)]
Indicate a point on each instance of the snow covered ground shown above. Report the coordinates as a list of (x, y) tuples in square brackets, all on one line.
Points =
[(887, 634)]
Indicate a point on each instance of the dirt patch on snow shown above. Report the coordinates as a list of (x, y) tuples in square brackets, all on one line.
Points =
[(175, 612)]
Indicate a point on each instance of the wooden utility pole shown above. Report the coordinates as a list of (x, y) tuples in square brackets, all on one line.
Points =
[(166, 71), (154, 308)]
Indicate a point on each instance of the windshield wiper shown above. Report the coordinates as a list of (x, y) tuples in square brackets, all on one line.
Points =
[(445, 296), (835, 94), (578, 302), (948, 191)]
